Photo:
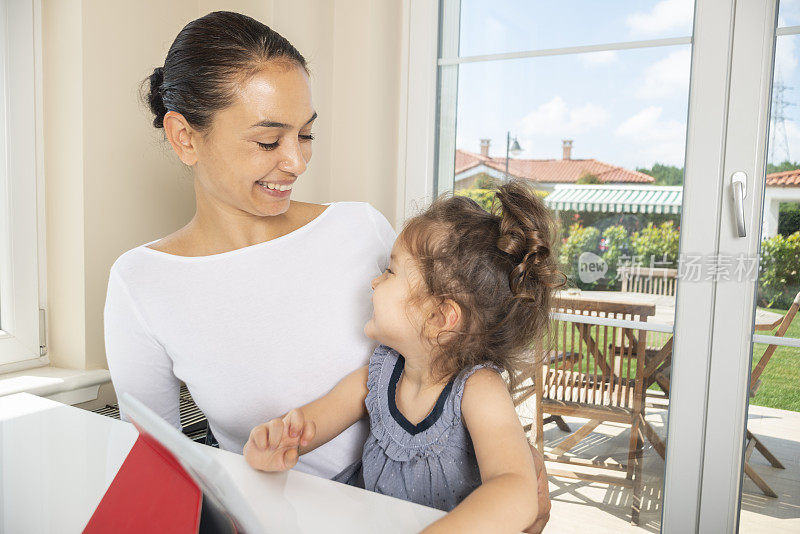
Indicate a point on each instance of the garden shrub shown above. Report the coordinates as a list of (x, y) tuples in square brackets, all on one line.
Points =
[(615, 244), (579, 240), (656, 244), (484, 197)]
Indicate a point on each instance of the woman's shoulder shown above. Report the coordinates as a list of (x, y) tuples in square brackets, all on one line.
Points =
[(132, 261), (355, 210)]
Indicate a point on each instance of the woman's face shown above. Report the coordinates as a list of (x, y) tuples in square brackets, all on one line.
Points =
[(258, 147)]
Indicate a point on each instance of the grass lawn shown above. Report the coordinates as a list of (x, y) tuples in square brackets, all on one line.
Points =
[(780, 381)]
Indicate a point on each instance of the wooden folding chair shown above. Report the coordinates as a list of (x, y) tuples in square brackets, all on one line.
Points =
[(658, 370), (583, 377), (755, 382)]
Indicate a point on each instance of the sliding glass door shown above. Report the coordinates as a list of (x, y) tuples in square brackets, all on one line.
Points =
[(661, 135)]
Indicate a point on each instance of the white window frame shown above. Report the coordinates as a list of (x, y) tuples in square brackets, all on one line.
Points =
[(417, 107), (22, 273), (751, 80)]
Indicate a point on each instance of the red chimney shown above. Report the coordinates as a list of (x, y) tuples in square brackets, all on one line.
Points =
[(566, 149), (485, 147)]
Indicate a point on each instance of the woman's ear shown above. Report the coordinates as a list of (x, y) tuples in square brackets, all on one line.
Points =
[(181, 136)]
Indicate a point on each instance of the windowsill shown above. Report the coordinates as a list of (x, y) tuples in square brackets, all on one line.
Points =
[(69, 386)]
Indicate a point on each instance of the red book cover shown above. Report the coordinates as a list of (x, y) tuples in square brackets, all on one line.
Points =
[(151, 493)]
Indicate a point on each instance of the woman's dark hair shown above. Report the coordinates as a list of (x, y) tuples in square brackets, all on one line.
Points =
[(209, 58), (499, 267)]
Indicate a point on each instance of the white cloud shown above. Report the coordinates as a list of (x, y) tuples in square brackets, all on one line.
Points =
[(600, 58), (556, 118), (666, 16), (785, 58), (665, 77), (654, 139)]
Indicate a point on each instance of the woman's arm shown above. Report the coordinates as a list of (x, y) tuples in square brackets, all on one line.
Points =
[(506, 500), (138, 363), (277, 444)]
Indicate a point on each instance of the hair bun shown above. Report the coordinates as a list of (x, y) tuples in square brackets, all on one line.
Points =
[(155, 98), (526, 236)]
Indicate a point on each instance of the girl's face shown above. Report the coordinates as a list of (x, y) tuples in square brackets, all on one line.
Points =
[(395, 321), (258, 147)]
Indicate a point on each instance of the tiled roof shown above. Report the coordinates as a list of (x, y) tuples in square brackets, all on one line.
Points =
[(785, 178), (552, 170), (568, 171), (467, 160)]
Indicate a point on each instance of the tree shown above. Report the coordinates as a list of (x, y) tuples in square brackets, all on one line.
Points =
[(588, 178), (785, 166), (664, 174)]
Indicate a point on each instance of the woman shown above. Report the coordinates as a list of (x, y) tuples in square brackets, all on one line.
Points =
[(258, 303)]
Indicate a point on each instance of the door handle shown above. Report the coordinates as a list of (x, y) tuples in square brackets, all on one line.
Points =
[(739, 192)]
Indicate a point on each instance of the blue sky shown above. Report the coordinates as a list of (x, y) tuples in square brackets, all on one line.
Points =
[(624, 107)]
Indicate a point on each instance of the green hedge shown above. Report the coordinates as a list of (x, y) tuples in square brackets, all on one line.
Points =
[(779, 281), (779, 275), (788, 218)]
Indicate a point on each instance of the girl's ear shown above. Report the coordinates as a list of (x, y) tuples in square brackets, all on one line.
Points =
[(446, 317)]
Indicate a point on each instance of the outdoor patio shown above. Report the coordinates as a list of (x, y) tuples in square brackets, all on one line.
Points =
[(607, 508)]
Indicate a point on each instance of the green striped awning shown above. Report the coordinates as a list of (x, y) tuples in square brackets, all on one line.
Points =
[(616, 198)]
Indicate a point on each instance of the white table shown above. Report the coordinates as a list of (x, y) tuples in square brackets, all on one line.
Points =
[(57, 461)]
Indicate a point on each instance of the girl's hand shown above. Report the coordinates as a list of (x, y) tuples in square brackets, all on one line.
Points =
[(275, 446)]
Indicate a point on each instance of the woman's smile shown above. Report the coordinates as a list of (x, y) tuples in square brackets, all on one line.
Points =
[(275, 189)]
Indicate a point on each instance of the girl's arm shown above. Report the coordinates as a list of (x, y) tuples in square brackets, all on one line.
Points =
[(506, 500), (277, 444), (338, 410)]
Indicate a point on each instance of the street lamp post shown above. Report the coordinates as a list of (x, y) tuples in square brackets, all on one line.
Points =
[(514, 149)]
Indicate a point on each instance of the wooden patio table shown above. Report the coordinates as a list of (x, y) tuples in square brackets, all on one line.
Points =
[(659, 353), (665, 305)]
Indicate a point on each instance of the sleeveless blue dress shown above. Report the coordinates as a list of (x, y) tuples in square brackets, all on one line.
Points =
[(431, 463)]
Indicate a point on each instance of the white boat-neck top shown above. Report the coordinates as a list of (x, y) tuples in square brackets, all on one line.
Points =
[(253, 332)]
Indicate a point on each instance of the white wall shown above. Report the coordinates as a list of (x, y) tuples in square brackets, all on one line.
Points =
[(773, 196), (112, 183)]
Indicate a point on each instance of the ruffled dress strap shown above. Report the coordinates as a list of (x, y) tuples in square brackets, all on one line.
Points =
[(353, 474), (381, 364)]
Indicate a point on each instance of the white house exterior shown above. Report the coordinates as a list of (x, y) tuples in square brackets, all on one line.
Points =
[(781, 187)]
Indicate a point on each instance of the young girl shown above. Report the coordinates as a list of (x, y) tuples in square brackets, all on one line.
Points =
[(466, 295)]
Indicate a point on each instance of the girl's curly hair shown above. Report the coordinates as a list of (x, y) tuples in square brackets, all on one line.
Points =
[(499, 267)]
